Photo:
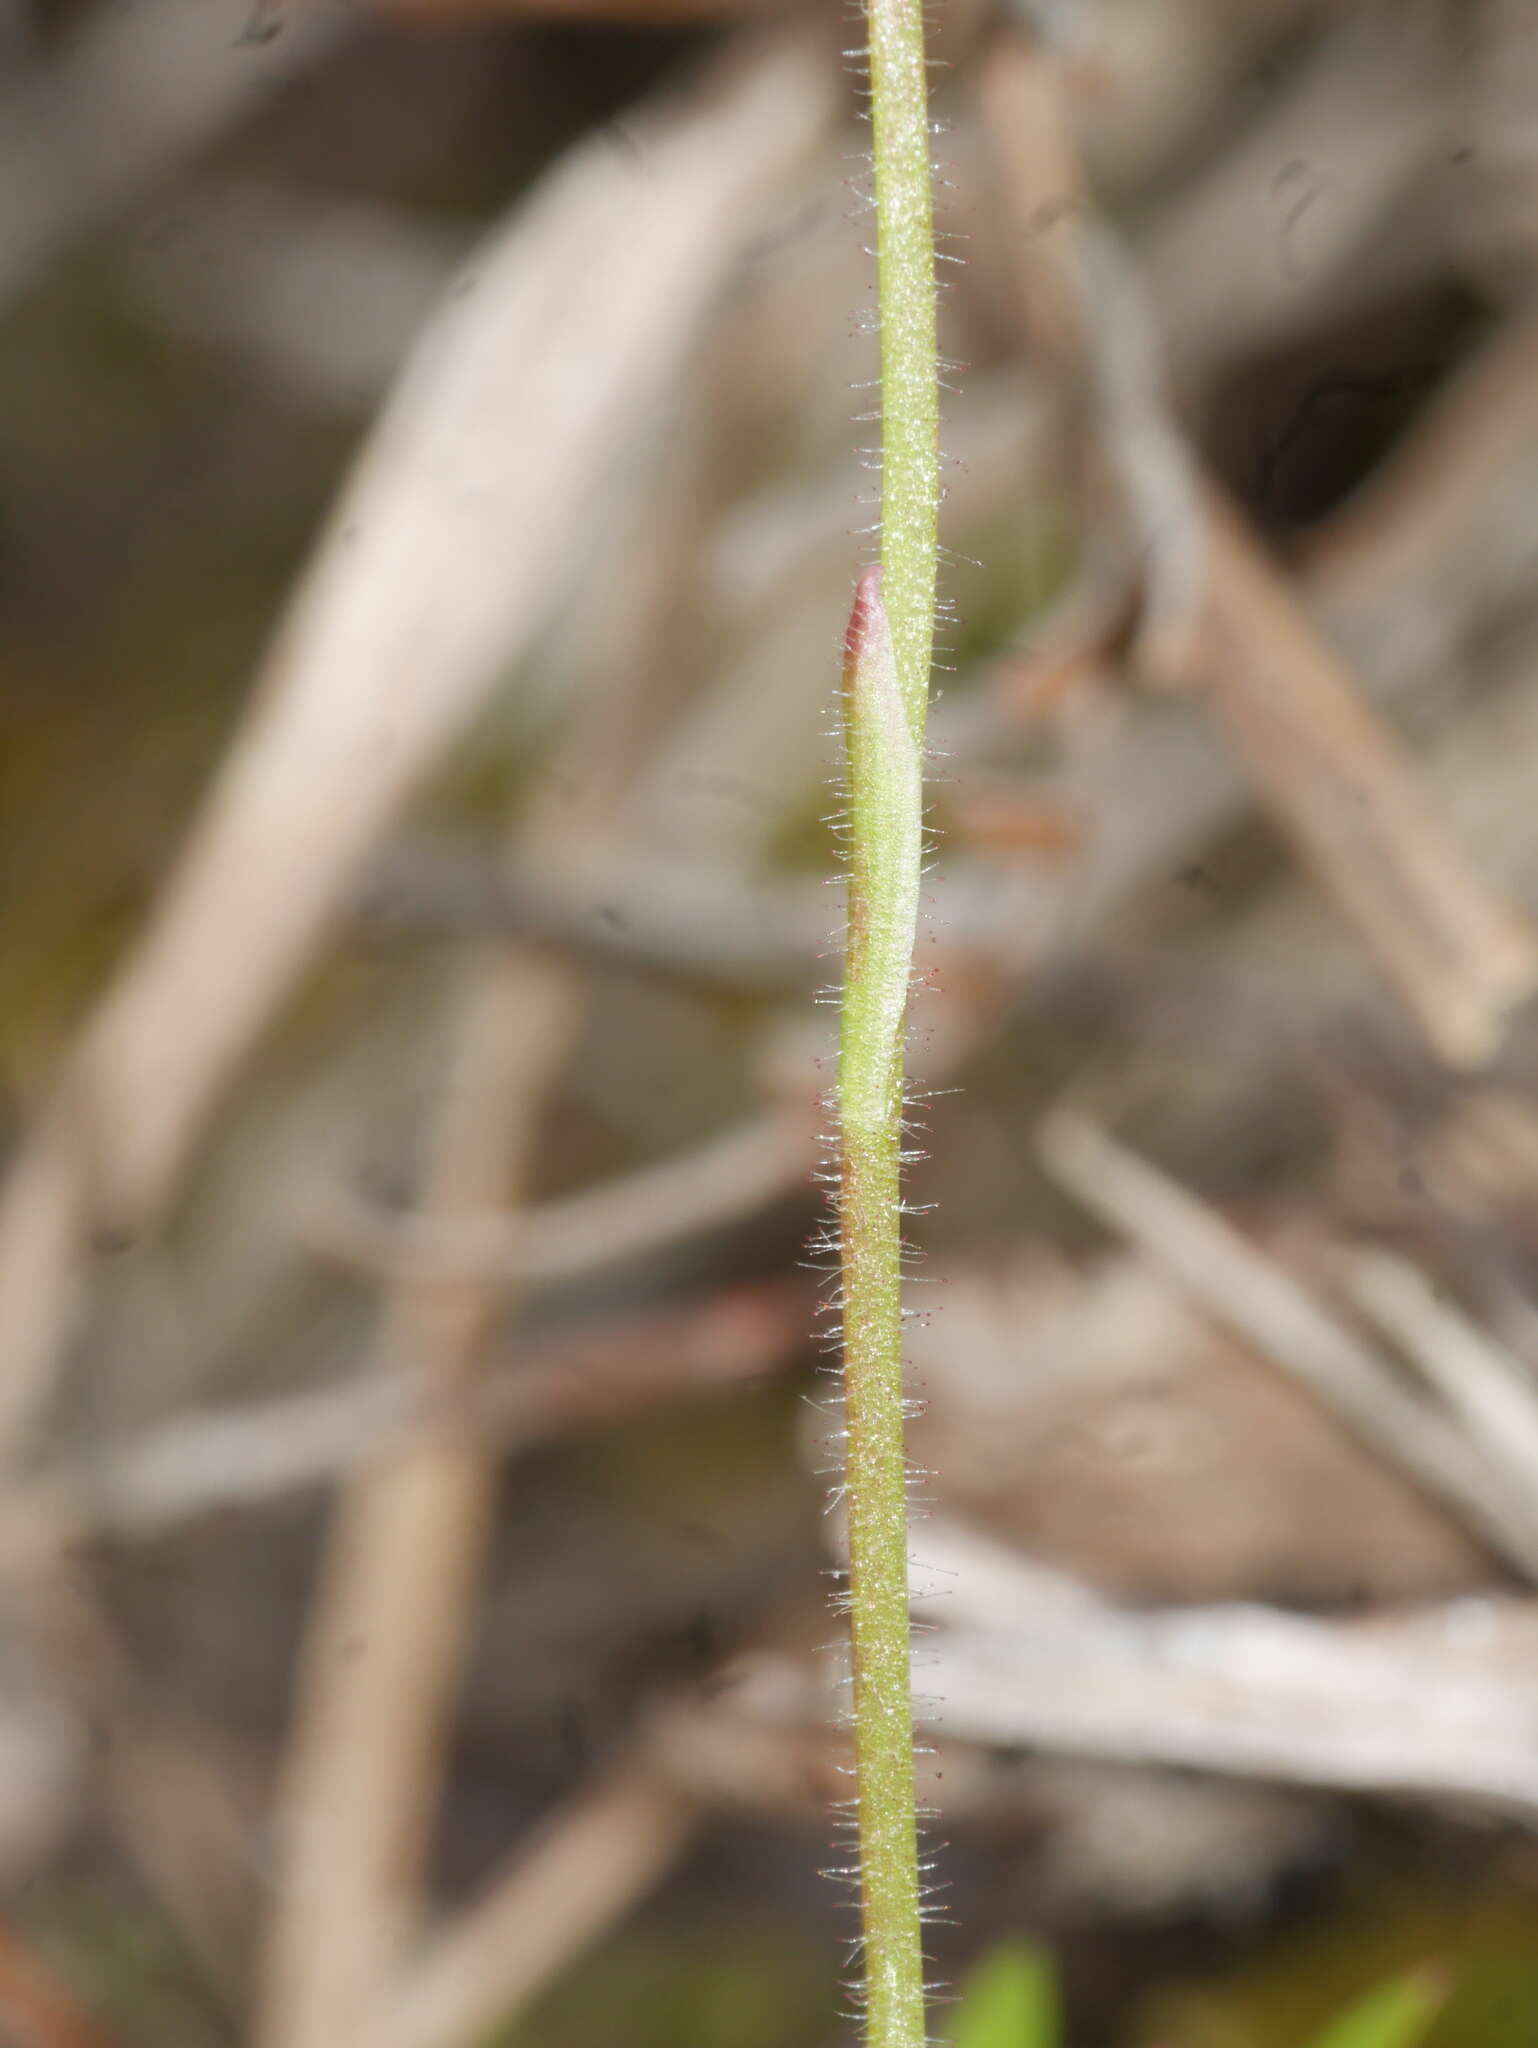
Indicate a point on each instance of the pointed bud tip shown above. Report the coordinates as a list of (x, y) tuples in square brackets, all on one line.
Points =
[(867, 604)]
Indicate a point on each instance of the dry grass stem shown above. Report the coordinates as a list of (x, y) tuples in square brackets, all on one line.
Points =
[(1253, 1296), (1491, 1393), (1462, 959), (428, 1078), (384, 1646), (592, 1861), (1429, 1704), (660, 919), (245, 1456), (1214, 610), (459, 525), (716, 1184)]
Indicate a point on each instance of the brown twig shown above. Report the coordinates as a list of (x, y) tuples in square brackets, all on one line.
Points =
[(246, 1456), (1462, 959), (1474, 769), (1216, 613)]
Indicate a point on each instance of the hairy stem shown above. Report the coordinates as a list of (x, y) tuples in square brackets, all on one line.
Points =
[(910, 403), (886, 687)]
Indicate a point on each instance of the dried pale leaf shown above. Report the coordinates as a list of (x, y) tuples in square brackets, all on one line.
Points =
[(441, 560), (1432, 1702)]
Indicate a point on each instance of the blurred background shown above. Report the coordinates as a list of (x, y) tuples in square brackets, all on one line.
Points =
[(434, 477)]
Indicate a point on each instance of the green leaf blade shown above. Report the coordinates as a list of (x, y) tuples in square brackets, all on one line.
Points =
[(1398, 2014), (1011, 2001)]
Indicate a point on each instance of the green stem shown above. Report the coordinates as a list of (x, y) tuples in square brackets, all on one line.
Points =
[(886, 697), (910, 398)]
